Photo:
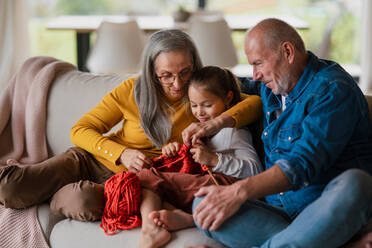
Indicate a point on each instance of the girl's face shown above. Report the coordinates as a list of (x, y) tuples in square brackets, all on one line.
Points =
[(205, 105)]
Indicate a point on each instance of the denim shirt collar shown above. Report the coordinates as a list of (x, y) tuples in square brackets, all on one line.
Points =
[(306, 77), (274, 101)]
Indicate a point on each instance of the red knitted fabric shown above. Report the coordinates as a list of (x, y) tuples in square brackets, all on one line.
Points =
[(123, 199), (182, 163), (123, 191)]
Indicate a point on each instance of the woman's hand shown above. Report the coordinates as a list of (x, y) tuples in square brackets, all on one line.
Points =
[(197, 130), (219, 203), (202, 155), (135, 160), (171, 149)]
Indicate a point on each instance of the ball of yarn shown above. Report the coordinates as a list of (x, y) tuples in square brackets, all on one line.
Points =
[(123, 198)]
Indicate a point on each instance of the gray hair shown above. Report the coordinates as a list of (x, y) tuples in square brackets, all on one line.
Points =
[(276, 31), (153, 110)]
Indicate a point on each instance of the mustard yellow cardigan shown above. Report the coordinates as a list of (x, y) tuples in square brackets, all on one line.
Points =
[(119, 104)]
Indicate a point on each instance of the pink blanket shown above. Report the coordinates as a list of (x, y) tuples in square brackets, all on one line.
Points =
[(22, 137)]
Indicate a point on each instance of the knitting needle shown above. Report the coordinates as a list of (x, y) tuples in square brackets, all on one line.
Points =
[(213, 178)]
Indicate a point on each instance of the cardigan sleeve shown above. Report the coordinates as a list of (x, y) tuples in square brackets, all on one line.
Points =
[(247, 111), (88, 132)]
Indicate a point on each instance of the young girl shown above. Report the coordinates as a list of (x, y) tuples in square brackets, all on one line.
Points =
[(212, 90), (229, 154)]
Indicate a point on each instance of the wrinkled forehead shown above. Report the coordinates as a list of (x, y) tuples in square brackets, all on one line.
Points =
[(173, 60)]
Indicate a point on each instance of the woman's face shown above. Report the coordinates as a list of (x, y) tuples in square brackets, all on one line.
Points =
[(173, 70)]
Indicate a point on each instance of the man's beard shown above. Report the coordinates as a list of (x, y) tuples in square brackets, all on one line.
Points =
[(283, 86)]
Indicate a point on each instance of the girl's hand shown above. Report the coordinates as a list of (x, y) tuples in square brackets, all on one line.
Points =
[(197, 130), (171, 149), (135, 160), (202, 155)]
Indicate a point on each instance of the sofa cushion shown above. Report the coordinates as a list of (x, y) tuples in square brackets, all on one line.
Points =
[(73, 94), (47, 219), (71, 233)]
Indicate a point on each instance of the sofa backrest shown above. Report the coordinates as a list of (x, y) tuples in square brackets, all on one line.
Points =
[(73, 94)]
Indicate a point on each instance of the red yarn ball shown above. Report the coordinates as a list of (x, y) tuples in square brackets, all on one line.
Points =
[(123, 198)]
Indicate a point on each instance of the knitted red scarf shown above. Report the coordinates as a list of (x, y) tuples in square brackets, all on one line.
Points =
[(123, 192), (182, 163)]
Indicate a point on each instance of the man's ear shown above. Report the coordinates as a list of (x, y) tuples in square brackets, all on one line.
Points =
[(288, 50), (229, 98)]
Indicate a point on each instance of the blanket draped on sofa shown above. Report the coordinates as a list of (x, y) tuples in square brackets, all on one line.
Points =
[(22, 138)]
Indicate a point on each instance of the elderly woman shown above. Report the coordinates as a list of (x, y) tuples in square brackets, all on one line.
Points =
[(152, 108)]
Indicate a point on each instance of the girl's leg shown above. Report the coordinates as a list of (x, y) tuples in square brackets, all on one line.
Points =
[(152, 236), (178, 189)]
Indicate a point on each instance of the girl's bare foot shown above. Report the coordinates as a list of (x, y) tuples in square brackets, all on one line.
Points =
[(153, 236), (172, 220)]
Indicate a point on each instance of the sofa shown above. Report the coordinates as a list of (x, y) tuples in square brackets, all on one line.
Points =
[(72, 94)]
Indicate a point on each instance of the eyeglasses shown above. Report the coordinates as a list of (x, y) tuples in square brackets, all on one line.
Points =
[(169, 78)]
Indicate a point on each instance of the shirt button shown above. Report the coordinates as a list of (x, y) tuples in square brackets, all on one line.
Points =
[(99, 148), (110, 154), (268, 113), (281, 193), (289, 138), (265, 133), (106, 151)]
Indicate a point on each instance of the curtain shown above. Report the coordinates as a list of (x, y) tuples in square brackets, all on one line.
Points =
[(366, 51), (14, 38)]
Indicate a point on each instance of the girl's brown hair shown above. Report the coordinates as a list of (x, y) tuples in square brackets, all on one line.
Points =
[(217, 81)]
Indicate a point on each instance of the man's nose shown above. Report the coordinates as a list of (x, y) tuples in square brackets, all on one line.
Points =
[(257, 75)]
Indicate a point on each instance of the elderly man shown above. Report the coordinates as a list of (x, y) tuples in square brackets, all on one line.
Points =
[(317, 138)]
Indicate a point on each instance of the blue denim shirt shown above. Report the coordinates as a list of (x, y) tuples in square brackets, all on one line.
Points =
[(324, 130)]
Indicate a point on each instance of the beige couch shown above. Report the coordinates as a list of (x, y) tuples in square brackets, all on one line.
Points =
[(72, 94)]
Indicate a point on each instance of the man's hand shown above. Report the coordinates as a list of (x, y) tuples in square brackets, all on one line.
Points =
[(202, 155), (171, 149), (197, 130), (135, 160), (219, 203)]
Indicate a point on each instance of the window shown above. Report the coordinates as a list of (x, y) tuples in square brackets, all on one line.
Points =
[(334, 24)]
